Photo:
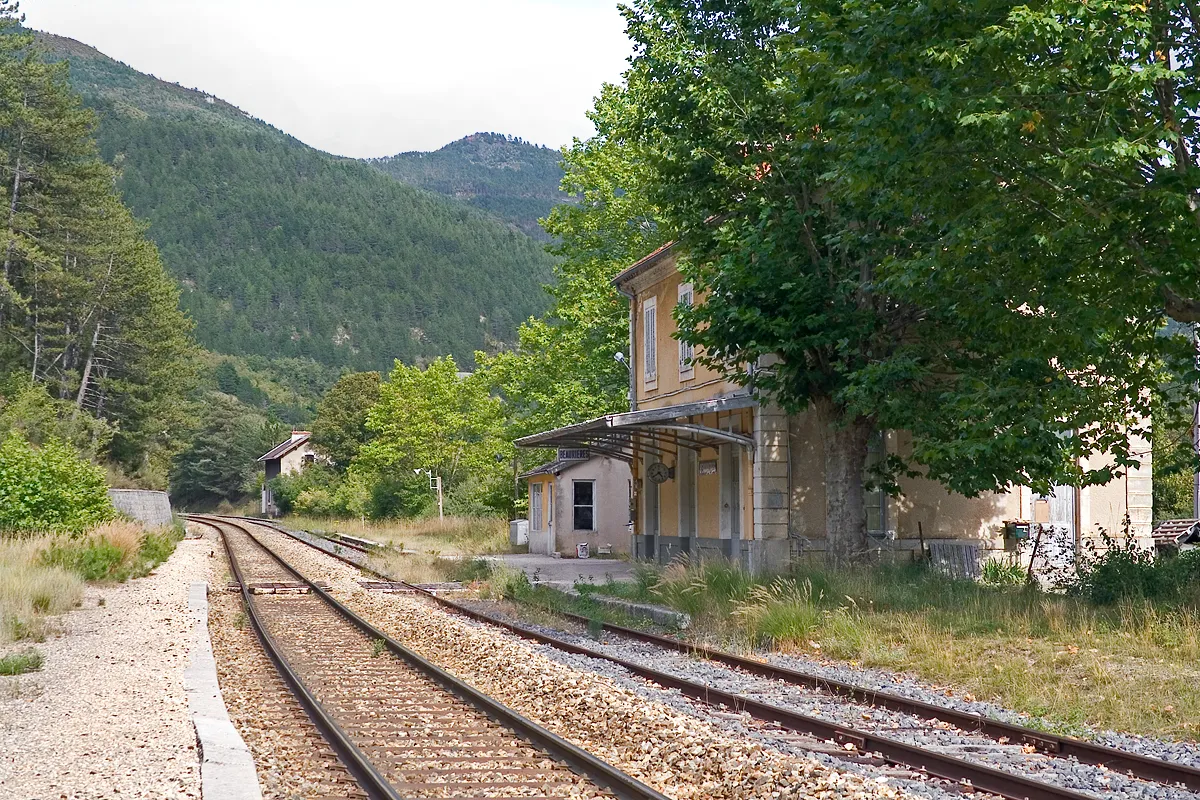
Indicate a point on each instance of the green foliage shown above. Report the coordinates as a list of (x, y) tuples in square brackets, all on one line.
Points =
[(22, 661), (286, 251), (340, 427), (86, 308), (1124, 571), (98, 557), (562, 370), (504, 175), (1174, 459), (767, 137), (220, 461), (27, 409), (49, 487), (1002, 572), (438, 420)]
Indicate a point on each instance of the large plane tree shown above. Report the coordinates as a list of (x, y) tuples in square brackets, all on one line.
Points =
[(1007, 358)]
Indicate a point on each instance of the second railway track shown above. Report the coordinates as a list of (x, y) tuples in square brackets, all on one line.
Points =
[(403, 727), (1140, 768)]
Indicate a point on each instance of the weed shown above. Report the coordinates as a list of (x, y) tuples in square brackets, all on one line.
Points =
[(378, 648), (100, 601), (595, 628), (997, 572), (241, 620), (28, 660)]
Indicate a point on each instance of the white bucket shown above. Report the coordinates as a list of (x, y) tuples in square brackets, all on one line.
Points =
[(581, 550)]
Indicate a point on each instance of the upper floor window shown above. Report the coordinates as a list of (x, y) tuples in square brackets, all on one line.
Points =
[(686, 351), (650, 342)]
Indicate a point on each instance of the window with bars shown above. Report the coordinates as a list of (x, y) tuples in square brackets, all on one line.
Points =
[(650, 342), (686, 351), (875, 500)]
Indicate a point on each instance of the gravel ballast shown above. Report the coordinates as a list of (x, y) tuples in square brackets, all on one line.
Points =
[(683, 754), (1094, 780), (107, 715)]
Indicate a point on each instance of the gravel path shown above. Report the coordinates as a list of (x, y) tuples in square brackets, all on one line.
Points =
[(107, 717)]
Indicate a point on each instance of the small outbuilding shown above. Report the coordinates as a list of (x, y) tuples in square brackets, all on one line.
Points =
[(285, 458), (580, 499)]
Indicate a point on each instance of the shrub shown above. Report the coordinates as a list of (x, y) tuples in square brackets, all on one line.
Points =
[(49, 488), (783, 614), (30, 590), (997, 572), (1124, 570), (19, 663), (113, 552)]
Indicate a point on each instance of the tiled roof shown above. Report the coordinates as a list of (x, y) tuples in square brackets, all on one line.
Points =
[(282, 449), (1178, 531)]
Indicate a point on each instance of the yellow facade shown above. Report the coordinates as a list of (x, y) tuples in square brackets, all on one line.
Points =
[(780, 484)]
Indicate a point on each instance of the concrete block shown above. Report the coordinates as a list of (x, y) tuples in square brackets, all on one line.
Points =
[(148, 507), (226, 767)]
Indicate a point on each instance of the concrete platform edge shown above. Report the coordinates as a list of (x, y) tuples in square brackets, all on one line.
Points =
[(227, 769)]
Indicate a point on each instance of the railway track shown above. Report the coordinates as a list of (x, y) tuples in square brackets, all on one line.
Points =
[(403, 727), (939, 764)]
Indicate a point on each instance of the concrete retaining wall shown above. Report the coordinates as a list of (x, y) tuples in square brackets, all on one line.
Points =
[(148, 507)]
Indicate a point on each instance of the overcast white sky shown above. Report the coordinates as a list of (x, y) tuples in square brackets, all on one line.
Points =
[(369, 77)]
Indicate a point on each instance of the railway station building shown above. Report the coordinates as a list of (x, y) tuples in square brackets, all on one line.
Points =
[(715, 472), (286, 458)]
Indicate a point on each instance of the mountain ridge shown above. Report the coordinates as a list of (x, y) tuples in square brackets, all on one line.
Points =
[(286, 251)]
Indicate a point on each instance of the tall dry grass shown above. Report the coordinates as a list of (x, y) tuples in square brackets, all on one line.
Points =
[(1133, 666), (459, 536), (44, 576), (31, 592)]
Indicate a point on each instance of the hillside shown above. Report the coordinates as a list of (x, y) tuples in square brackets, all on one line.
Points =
[(508, 177), (285, 251)]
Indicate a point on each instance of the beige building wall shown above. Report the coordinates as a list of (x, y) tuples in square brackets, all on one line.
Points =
[(783, 480), (611, 477), (294, 461)]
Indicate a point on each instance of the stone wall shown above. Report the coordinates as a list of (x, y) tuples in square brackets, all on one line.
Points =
[(148, 507)]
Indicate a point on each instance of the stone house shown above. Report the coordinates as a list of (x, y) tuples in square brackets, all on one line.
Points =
[(286, 458)]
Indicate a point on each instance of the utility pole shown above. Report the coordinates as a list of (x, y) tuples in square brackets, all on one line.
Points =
[(438, 482), (435, 482)]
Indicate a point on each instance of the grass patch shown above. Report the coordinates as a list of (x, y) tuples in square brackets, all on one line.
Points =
[(114, 552), (1132, 664), (27, 660), (43, 576), (453, 536)]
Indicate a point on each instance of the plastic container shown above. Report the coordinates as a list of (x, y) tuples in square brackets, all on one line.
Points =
[(581, 550)]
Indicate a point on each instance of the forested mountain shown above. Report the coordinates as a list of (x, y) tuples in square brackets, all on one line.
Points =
[(285, 251), (511, 178)]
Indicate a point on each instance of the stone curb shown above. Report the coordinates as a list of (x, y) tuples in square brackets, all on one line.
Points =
[(663, 616), (226, 767)]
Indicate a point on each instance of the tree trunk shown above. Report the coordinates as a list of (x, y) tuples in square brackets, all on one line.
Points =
[(87, 368), (845, 442)]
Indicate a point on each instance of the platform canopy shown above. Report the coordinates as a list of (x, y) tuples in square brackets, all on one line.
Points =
[(654, 431)]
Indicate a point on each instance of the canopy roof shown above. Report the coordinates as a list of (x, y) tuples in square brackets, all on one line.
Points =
[(657, 431)]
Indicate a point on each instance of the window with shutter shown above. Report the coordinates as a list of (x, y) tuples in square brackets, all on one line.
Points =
[(650, 343), (686, 351)]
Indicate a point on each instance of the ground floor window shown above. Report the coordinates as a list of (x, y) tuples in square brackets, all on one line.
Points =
[(585, 505), (535, 506), (876, 499)]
